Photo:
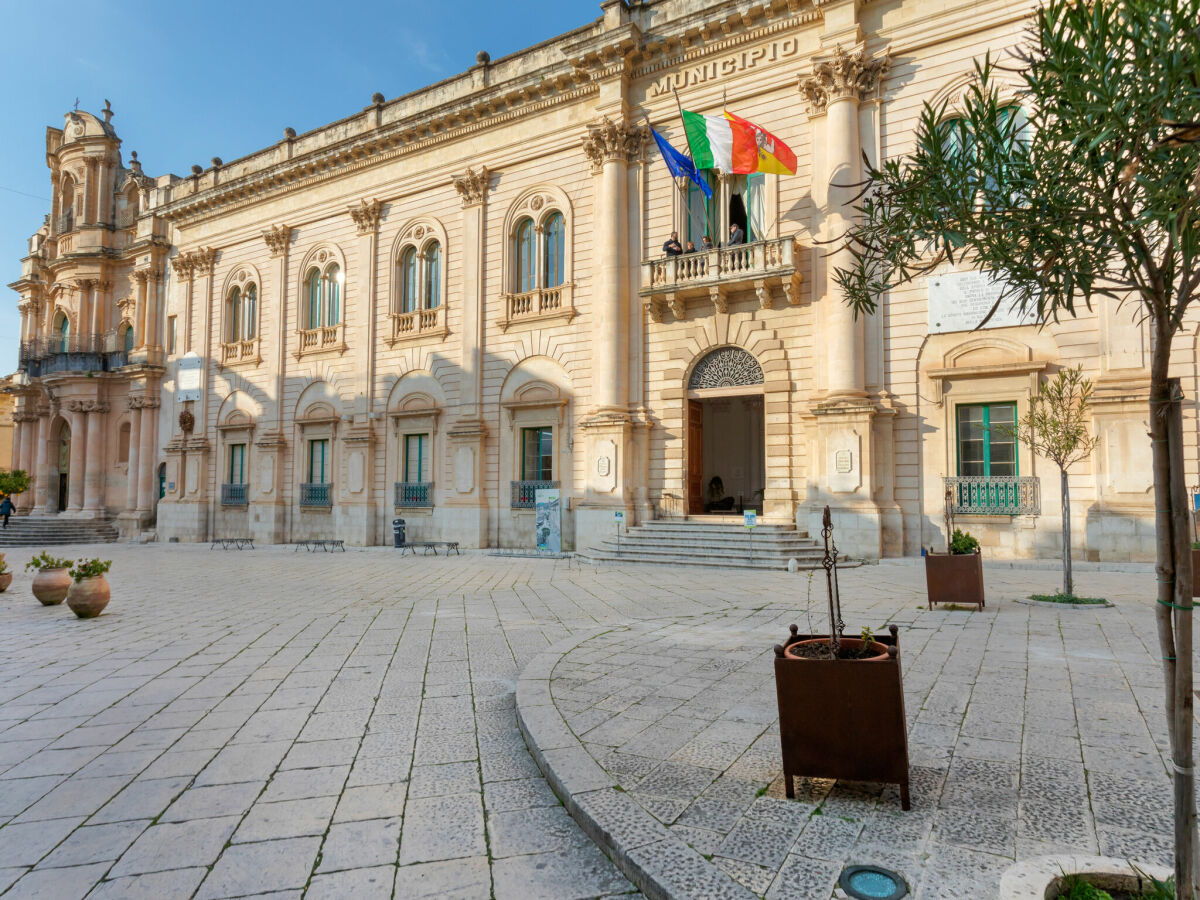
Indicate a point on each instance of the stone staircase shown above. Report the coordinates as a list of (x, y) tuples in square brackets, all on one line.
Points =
[(721, 544), (48, 531)]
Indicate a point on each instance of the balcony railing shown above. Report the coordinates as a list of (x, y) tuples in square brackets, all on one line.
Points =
[(64, 223), (238, 351), (418, 323), (324, 337), (234, 495), (127, 217), (75, 354), (316, 494), (540, 303), (524, 493), (771, 262), (414, 493), (993, 495)]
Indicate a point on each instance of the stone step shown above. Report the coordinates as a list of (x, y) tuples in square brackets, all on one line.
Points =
[(30, 531), (790, 539), (666, 559), (710, 549)]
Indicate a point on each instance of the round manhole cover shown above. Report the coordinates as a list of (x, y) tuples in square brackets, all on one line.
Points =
[(872, 883)]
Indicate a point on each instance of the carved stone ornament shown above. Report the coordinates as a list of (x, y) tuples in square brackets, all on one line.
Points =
[(845, 74), (187, 421), (537, 203), (726, 367), (366, 215), (204, 260), (183, 266), (86, 406), (608, 140), (277, 239), (141, 401), (473, 186)]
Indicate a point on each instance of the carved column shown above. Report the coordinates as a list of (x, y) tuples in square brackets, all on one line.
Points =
[(154, 306), (131, 470), (42, 493), (358, 489), (83, 318), (185, 270), (140, 277), (90, 192), (100, 291), (18, 441), (93, 476), (146, 454), (76, 477), (468, 432)]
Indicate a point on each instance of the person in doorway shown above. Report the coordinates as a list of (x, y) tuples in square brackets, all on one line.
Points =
[(7, 509), (736, 235), (706, 243), (716, 500), (672, 247)]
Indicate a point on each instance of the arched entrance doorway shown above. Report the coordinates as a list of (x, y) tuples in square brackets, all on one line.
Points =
[(726, 447), (64, 466)]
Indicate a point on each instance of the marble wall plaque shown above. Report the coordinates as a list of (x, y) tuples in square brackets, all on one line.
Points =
[(959, 301)]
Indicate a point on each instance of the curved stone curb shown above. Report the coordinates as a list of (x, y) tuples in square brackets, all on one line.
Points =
[(1046, 604), (661, 865), (1028, 880)]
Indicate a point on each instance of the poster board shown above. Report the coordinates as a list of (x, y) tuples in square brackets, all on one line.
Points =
[(548, 520)]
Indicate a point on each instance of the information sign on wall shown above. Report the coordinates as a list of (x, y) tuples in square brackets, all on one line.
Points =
[(548, 520), (188, 379), (960, 301)]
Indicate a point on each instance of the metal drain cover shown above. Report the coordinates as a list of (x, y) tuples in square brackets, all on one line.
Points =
[(872, 883)]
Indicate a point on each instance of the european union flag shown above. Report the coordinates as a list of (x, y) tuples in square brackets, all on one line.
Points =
[(680, 165)]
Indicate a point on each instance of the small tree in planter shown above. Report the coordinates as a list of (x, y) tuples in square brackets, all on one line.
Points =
[(90, 593), (5, 575), (51, 583), (13, 482), (841, 700), (957, 575)]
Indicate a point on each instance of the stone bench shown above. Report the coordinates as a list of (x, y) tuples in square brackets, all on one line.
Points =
[(321, 544)]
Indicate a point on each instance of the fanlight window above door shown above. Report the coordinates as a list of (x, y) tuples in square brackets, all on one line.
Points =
[(726, 367)]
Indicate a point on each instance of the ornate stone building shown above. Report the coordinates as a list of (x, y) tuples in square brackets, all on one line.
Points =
[(446, 300)]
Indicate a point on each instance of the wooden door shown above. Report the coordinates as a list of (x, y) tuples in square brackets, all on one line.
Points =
[(695, 459)]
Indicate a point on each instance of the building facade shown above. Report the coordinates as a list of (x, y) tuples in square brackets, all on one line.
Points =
[(445, 301)]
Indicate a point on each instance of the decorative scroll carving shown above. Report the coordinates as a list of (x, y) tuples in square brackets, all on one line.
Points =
[(204, 260), (86, 406), (608, 140), (187, 265), (141, 276), (678, 306), (141, 401), (726, 367), (719, 302), (366, 215), (763, 293), (473, 186), (183, 266), (277, 239), (843, 75)]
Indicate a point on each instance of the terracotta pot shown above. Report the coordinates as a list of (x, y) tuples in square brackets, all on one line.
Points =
[(87, 598), (954, 578), (879, 651), (50, 586), (5, 581)]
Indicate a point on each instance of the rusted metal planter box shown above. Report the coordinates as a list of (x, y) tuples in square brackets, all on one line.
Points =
[(1196, 573), (843, 718), (954, 578)]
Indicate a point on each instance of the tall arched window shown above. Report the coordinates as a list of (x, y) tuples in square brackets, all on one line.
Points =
[(128, 339), (313, 290), (64, 334), (408, 280), (555, 231), (333, 294), (433, 275), (250, 331), (526, 256), (233, 315)]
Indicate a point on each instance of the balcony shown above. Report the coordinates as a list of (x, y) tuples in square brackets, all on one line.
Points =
[(64, 223), (234, 495), (414, 494), (993, 495), (76, 354), (324, 337), (127, 217), (418, 324), (524, 493), (316, 495), (240, 351), (540, 305), (760, 266)]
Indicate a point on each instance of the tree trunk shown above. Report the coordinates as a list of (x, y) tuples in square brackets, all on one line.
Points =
[(1068, 577)]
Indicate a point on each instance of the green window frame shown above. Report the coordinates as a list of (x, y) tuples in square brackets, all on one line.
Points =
[(702, 213), (525, 245), (237, 463), (985, 448), (433, 275), (416, 458), (537, 454), (553, 268), (318, 459)]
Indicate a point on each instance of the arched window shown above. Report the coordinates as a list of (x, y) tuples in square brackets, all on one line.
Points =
[(555, 231), (233, 314), (433, 275), (333, 294), (64, 334), (313, 290), (526, 256), (128, 338), (250, 330), (408, 280)]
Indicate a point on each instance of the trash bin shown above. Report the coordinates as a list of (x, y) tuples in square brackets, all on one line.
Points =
[(398, 532)]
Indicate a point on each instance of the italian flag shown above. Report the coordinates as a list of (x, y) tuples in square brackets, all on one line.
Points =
[(733, 145)]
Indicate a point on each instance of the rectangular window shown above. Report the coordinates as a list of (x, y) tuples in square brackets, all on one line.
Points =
[(416, 458), (170, 334), (702, 214), (537, 454), (237, 463), (318, 461), (985, 445)]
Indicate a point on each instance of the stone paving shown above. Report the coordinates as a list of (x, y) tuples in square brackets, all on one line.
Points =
[(265, 723)]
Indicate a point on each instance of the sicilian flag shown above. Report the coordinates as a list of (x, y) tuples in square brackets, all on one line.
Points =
[(733, 145), (680, 165)]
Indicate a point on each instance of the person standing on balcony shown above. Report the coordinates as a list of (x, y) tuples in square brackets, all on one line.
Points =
[(672, 246), (706, 243), (736, 235), (690, 248)]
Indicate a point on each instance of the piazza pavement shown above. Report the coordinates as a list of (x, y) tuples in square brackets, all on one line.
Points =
[(277, 724)]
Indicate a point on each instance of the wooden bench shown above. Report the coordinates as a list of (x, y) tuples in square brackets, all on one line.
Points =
[(430, 547), (320, 544), (239, 543)]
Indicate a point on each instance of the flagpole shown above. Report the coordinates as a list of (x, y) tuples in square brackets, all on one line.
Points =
[(678, 181), (679, 107)]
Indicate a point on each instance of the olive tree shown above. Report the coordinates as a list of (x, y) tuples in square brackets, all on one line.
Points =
[(1096, 195)]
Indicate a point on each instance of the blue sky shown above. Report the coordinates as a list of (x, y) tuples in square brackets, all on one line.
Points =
[(192, 81)]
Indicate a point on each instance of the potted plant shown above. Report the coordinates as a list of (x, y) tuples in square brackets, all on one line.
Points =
[(5, 575), (51, 583), (89, 594), (841, 699), (957, 576)]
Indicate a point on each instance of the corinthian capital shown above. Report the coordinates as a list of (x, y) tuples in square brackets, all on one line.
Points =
[(608, 140), (845, 74), (277, 239), (366, 215), (183, 266), (473, 186), (204, 260)]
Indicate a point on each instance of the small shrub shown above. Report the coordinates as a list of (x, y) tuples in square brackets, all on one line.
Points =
[(961, 542), (45, 561), (89, 568), (1071, 599), (3, 564), (1075, 888)]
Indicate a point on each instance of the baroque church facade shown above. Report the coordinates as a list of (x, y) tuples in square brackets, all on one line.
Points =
[(443, 302)]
